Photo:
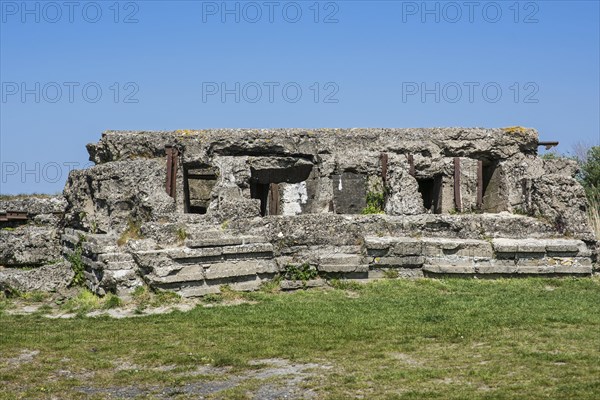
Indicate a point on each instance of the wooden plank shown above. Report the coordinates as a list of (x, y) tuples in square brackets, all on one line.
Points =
[(457, 199), (273, 199), (479, 184)]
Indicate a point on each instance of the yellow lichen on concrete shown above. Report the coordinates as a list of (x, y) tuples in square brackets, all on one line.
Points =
[(515, 129)]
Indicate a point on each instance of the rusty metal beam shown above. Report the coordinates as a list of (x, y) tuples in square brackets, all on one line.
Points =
[(383, 158), (172, 161), (411, 164), (13, 216), (17, 215), (548, 144), (479, 184), (457, 199)]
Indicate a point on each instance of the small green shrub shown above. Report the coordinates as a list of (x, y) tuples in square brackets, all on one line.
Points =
[(304, 272), (77, 263), (375, 203)]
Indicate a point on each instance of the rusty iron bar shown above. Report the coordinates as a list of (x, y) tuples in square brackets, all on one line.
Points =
[(13, 216), (411, 164), (479, 184), (457, 199), (383, 158), (172, 161), (169, 151), (17, 215), (548, 144)]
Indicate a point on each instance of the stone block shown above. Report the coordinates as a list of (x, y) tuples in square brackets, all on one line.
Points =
[(340, 259), (407, 247), (342, 268), (406, 261), (248, 249), (229, 269), (449, 269)]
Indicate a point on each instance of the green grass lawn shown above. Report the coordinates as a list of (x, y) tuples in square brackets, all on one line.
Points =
[(394, 339)]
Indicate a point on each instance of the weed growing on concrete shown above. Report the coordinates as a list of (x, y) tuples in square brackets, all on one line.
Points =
[(132, 232), (77, 265), (304, 272), (375, 203)]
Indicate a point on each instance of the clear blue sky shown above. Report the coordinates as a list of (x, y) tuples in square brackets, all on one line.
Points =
[(370, 60)]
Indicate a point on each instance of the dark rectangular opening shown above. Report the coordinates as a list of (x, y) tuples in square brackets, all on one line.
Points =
[(488, 173), (198, 182), (260, 191), (431, 191), (426, 190), (492, 200)]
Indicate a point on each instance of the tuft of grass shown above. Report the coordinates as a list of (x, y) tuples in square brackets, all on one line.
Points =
[(212, 298), (594, 214), (84, 302), (390, 273), (35, 296), (133, 231), (181, 235), (112, 301), (271, 286), (344, 284), (143, 297)]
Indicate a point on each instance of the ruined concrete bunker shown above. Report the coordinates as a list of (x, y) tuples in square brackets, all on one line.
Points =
[(190, 211)]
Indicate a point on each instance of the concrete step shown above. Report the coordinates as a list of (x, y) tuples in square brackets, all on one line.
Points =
[(533, 248), (343, 268), (224, 241), (497, 267), (397, 262), (178, 273)]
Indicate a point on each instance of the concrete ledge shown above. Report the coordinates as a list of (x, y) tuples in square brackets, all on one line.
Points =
[(340, 259), (384, 273), (249, 249), (224, 241), (240, 268), (405, 261), (342, 268)]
